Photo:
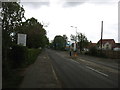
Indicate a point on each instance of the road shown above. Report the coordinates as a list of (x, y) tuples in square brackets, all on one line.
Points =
[(73, 74), (40, 74)]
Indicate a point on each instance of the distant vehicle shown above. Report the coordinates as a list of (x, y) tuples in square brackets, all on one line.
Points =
[(85, 49), (67, 47)]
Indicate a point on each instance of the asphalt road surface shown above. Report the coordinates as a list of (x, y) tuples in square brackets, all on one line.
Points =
[(73, 74)]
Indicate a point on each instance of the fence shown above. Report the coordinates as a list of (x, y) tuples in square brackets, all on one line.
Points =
[(112, 54)]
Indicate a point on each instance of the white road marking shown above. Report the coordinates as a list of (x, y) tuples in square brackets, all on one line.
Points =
[(81, 59), (54, 73), (74, 61), (97, 71)]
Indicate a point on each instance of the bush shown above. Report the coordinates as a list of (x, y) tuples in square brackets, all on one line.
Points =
[(94, 52), (18, 55), (32, 55)]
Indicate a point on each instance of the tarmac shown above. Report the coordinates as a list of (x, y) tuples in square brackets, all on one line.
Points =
[(40, 74)]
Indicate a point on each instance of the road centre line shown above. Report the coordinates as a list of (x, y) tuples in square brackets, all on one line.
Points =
[(97, 71)]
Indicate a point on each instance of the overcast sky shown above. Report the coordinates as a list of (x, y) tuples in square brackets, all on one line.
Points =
[(86, 15)]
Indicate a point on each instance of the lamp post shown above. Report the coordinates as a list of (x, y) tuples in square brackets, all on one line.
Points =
[(75, 45), (76, 32)]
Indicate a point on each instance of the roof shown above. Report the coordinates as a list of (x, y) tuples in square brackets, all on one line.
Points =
[(111, 41), (91, 45), (117, 45)]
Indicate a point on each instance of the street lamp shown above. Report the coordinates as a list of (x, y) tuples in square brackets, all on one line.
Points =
[(76, 33), (75, 45)]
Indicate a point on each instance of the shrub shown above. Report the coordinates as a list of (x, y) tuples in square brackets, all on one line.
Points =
[(32, 55), (94, 52), (18, 55)]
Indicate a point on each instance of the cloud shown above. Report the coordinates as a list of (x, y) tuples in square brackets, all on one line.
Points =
[(74, 3), (86, 16), (35, 4)]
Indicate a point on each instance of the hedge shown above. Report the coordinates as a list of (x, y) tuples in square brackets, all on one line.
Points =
[(19, 55)]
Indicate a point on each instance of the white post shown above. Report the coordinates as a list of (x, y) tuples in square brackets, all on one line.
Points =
[(75, 46)]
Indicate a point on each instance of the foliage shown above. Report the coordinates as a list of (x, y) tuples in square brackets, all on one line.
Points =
[(95, 52), (12, 55), (12, 78), (82, 40), (12, 14), (19, 55), (32, 55), (73, 37), (36, 34), (59, 42), (51, 45), (12, 81), (65, 38)]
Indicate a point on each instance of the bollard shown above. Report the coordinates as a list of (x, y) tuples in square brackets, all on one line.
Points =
[(70, 53)]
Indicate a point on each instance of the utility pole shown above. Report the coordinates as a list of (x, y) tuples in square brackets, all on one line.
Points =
[(101, 34)]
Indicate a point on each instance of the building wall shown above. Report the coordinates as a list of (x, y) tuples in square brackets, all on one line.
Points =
[(107, 46)]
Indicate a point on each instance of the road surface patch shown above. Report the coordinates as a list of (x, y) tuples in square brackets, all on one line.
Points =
[(74, 61)]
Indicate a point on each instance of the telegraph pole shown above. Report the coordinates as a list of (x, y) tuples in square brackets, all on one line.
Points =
[(101, 34)]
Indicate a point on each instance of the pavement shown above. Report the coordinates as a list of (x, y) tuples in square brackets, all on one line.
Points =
[(40, 74)]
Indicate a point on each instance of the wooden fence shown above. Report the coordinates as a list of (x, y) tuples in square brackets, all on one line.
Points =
[(112, 54)]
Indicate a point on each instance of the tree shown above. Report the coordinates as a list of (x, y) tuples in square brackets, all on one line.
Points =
[(82, 41), (12, 14), (73, 37), (36, 34), (59, 42), (65, 38)]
